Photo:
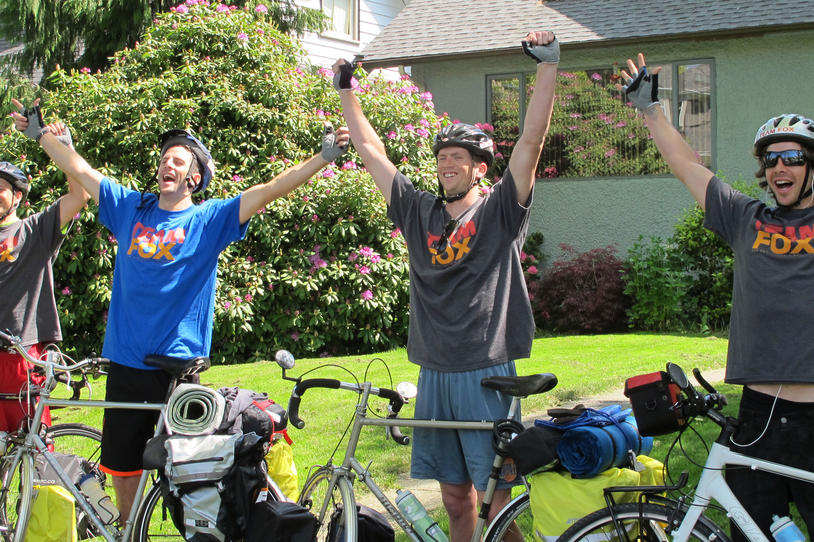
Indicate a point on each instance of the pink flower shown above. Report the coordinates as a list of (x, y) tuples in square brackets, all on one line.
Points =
[(395, 233), (364, 270), (314, 218), (221, 8), (596, 77), (426, 95), (227, 305), (422, 132), (242, 36), (367, 295), (66, 291), (260, 31), (181, 9), (85, 70), (350, 164), (261, 9), (247, 297), (523, 256), (366, 252), (533, 270), (237, 178), (375, 258), (391, 135), (295, 336), (409, 127), (610, 153), (326, 72), (328, 173)]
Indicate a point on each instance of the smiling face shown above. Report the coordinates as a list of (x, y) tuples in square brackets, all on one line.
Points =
[(457, 169), (787, 182), (173, 169), (9, 198)]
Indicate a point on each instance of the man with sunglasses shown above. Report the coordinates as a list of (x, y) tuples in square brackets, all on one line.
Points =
[(164, 278), (470, 315), (773, 295)]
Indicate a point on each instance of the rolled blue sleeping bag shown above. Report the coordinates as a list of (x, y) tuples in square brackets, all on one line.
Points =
[(588, 450)]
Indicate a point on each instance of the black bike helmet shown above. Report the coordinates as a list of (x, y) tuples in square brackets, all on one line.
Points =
[(467, 136), (206, 166), (15, 177)]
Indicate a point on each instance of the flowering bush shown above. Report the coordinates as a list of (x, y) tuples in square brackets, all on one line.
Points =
[(321, 271)]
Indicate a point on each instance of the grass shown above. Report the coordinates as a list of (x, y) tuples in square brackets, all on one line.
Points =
[(584, 365)]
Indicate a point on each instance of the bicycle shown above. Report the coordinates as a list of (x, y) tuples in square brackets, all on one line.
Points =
[(655, 517), (22, 448), (329, 492)]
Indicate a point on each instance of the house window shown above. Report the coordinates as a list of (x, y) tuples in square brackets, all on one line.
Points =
[(593, 133), (344, 17)]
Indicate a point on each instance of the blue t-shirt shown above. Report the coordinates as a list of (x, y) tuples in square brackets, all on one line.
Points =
[(164, 280)]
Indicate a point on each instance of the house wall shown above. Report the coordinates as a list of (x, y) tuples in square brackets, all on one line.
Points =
[(755, 78), (374, 15)]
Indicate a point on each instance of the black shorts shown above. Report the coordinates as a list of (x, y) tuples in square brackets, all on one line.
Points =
[(125, 432)]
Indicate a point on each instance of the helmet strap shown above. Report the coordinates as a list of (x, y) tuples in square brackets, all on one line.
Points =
[(12, 209), (804, 192)]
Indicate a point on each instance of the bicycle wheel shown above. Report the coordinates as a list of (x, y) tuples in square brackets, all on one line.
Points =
[(153, 521), (16, 492), (334, 507), (653, 522), (513, 523)]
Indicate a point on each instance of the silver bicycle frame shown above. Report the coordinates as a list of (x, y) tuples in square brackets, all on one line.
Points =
[(350, 464), (712, 485)]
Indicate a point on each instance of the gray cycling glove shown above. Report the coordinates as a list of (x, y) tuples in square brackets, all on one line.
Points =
[(342, 80), (66, 138), (643, 92), (330, 150), (35, 127), (543, 54)]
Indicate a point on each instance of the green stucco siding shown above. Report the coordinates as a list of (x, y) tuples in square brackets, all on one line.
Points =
[(754, 77)]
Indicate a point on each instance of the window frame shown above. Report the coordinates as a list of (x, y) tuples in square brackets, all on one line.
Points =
[(674, 101), (355, 18)]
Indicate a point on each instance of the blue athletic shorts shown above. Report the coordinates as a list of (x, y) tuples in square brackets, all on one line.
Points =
[(452, 456)]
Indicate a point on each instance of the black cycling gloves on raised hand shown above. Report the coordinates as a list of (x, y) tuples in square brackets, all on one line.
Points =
[(330, 149), (342, 80), (543, 54), (643, 91)]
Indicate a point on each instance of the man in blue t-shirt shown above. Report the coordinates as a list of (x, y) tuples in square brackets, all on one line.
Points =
[(470, 315), (772, 295), (164, 278)]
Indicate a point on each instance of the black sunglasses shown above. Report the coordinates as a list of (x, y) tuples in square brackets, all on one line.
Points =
[(440, 244), (793, 157)]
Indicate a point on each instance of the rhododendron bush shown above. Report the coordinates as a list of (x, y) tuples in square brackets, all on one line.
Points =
[(322, 271)]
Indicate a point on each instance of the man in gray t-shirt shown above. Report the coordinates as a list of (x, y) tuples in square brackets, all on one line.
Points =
[(28, 248), (470, 314), (773, 293)]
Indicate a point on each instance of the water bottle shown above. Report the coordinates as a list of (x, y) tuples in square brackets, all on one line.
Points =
[(98, 499), (426, 528), (784, 530)]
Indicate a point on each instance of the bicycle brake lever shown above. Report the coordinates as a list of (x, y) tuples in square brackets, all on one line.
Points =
[(701, 380)]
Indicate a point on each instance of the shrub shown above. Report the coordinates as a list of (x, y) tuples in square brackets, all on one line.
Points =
[(656, 281), (581, 294), (322, 270)]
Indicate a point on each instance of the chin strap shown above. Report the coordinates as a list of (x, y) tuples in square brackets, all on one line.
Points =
[(459, 195)]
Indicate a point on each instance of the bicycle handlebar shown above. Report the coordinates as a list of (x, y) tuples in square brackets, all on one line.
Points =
[(395, 400)]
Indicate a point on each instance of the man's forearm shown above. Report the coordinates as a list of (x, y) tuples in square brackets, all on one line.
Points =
[(72, 164)]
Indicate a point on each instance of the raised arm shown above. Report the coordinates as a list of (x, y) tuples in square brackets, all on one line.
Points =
[(334, 145), (545, 49), (29, 121), (365, 139), (642, 90)]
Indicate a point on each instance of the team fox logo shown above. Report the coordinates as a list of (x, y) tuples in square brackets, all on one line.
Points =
[(6, 247), (784, 239), (150, 244), (456, 247)]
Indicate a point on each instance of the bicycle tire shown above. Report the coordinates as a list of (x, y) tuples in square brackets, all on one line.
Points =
[(153, 521), (660, 520), (514, 522), (330, 504), (16, 494)]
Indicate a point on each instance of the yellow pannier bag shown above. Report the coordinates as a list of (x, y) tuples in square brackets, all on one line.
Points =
[(280, 460), (558, 501), (53, 516)]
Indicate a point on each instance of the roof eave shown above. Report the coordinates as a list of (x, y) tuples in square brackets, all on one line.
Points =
[(389, 62)]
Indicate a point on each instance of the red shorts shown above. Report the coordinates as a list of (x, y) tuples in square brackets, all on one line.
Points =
[(13, 380)]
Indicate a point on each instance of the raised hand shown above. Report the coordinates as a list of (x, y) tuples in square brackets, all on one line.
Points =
[(641, 85), (542, 46), (334, 144), (343, 74)]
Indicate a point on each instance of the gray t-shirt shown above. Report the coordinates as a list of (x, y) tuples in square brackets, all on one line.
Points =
[(469, 308), (28, 249), (773, 290)]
